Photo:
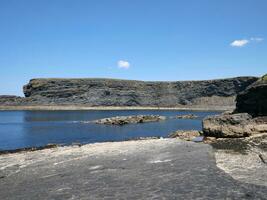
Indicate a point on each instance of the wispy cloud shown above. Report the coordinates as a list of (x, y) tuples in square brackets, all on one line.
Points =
[(257, 39), (239, 43), (244, 42), (123, 64)]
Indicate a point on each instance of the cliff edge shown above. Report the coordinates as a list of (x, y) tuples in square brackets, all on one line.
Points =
[(113, 92)]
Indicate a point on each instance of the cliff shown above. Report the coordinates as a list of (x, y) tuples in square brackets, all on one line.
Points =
[(113, 92), (253, 100)]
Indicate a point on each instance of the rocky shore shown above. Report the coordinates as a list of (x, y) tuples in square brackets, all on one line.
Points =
[(232, 158), (249, 117), (146, 169), (239, 138)]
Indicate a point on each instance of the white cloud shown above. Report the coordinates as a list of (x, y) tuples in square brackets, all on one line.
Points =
[(256, 39), (239, 43), (123, 64)]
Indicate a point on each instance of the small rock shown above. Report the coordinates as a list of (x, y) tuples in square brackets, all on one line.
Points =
[(185, 135), (189, 116), (198, 139), (209, 140)]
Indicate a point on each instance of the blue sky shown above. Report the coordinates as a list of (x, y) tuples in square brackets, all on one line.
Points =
[(137, 39)]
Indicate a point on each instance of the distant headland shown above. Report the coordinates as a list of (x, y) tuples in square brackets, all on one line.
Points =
[(86, 93)]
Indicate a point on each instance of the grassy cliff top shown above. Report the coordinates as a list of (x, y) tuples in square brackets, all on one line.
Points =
[(264, 78)]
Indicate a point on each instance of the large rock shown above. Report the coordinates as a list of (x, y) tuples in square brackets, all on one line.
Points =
[(254, 99), (234, 125), (112, 92)]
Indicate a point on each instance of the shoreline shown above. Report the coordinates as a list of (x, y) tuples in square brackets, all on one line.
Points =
[(111, 168), (74, 107), (55, 145)]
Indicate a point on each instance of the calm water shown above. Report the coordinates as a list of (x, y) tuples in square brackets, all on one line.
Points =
[(36, 128)]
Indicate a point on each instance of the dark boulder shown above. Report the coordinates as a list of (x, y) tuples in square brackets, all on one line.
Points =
[(253, 100)]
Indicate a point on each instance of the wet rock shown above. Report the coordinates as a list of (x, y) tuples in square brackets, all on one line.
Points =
[(189, 116), (185, 135), (122, 120), (233, 125)]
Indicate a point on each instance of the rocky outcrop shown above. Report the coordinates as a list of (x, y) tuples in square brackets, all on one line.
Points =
[(249, 118), (234, 125), (122, 120), (112, 92), (253, 100)]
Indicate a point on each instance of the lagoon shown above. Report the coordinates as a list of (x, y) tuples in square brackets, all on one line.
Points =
[(20, 129)]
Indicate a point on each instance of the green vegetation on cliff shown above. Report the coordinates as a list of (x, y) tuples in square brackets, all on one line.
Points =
[(264, 78)]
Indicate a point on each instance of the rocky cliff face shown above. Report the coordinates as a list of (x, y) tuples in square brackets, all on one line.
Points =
[(112, 92), (253, 100), (249, 117)]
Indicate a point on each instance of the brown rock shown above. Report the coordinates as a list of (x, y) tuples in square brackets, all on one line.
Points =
[(185, 135), (209, 140), (233, 126)]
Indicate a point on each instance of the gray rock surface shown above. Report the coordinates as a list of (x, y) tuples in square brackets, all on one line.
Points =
[(253, 100), (234, 125), (150, 169), (112, 92), (245, 159)]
